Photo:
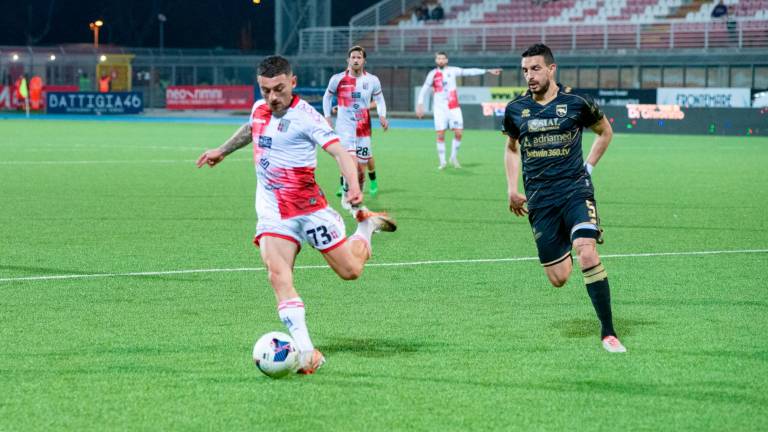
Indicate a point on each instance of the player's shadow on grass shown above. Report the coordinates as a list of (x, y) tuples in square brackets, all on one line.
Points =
[(582, 328), (369, 347)]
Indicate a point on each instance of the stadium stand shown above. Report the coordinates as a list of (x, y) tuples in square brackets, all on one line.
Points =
[(477, 12)]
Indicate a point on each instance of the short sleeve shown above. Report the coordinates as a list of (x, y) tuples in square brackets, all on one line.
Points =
[(319, 131), (509, 127), (590, 113)]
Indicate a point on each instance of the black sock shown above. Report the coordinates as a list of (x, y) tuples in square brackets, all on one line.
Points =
[(596, 279), (372, 175)]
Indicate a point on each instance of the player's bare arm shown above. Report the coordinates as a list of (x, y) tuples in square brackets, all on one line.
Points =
[(604, 133), (241, 138), (512, 167), (496, 71), (348, 168)]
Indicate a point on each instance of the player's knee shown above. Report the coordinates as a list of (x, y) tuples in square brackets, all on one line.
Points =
[(350, 272), (587, 252), (557, 281), (278, 276), (457, 134)]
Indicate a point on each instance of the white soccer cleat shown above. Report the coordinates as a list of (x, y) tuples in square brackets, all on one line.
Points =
[(612, 345), (441, 166), (380, 220), (455, 163), (310, 362), (345, 204)]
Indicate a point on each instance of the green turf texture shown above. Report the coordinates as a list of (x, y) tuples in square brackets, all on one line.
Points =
[(452, 346)]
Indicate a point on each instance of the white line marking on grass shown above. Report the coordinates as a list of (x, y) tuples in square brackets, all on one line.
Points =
[(394, 264)]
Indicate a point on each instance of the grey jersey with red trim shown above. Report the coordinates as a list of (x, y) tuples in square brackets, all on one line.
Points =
[(550, 144)]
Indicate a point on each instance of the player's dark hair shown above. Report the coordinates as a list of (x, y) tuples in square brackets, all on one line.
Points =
[(442, 53), (357, 48), (540, 50), (273, 66)]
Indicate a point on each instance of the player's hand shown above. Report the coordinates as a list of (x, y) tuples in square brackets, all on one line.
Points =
[(420, 110), (354, 196), (494, 71), (210, 158), (335, 110), (384, 123), (517, 204)]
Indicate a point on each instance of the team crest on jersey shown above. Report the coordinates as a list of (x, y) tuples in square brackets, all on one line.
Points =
[(283, 125), (265, 142), (526, 113), (561, 110), (365, 86)]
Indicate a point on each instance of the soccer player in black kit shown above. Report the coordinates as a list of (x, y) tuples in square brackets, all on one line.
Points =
[(543, 129)]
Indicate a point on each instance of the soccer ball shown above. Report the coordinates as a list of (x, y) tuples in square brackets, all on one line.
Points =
[(275, 354)]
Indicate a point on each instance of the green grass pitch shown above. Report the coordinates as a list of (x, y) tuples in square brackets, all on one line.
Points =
[(434, 343)]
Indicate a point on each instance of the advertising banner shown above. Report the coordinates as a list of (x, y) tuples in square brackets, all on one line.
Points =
[(209, 97), (9, 99), (313, 96), (94, 103), (722, 97), (620, 97), (472, 95)]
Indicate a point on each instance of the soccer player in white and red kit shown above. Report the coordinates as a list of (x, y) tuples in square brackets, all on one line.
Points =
[(445, 105), (291, 208), (354, 89)]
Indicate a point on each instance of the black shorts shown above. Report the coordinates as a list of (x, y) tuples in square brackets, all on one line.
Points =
[(555, 227)]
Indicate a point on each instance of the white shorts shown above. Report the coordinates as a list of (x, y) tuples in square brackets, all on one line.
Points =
[(360, 146), (448, 119), (323, 229)]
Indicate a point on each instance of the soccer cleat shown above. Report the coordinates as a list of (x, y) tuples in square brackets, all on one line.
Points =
[(381, 220), (346, 205), (455, 163), (441, 166), (373, 188), (310, 362), (612, 345)]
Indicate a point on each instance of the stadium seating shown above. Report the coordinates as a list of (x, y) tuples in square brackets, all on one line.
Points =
[(479, 12), (478, 25)]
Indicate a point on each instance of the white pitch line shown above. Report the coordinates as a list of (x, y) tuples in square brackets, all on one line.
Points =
[(394, 264)]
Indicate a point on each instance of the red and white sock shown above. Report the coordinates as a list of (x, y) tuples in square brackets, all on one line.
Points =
[(291, 313)]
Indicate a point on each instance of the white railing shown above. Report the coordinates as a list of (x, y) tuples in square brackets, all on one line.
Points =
[(382, 12), (614, 36)]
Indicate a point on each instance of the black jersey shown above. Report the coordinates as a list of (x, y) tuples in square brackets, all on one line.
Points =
[(550, 144)]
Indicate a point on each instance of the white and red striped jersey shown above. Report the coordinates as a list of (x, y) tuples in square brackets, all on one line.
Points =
[(354, 95), (443, 84), (285, 153)]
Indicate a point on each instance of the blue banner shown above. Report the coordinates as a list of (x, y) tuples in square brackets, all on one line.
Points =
[(94, 103), (313, 95)]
